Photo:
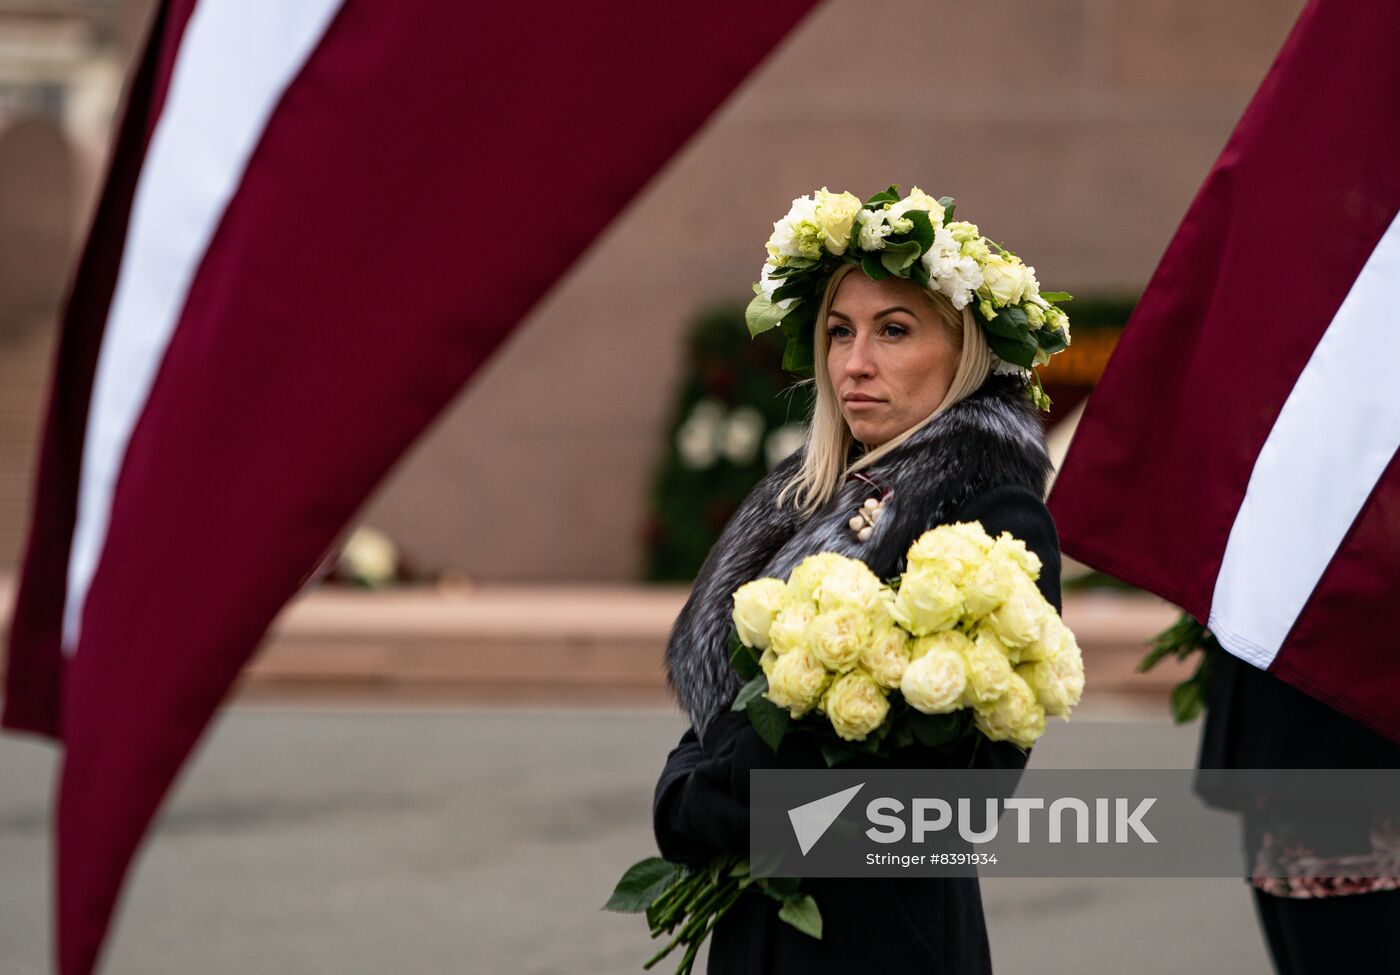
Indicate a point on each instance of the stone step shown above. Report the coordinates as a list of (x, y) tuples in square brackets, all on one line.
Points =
[(595, 644), (516, 643)]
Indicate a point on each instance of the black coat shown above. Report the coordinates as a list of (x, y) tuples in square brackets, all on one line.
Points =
[(985, 462)]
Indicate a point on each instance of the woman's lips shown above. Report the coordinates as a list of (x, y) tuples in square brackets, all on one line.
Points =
[(862, 404)]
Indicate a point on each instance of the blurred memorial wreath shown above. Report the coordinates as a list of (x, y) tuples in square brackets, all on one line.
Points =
[(737, 415)]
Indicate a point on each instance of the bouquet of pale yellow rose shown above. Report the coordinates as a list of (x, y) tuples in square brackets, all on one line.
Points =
[(961, 645), (962, 642)]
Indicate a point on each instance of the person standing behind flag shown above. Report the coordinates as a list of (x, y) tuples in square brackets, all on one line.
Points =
[(1312, 923), (1266, 502)]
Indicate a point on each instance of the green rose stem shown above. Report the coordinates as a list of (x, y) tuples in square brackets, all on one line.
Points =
[(672, 899), (711, 894), (702, 915), (689, 959), (699, 887)]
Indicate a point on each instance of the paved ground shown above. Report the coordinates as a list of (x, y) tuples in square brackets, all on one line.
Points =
[(356, 841)]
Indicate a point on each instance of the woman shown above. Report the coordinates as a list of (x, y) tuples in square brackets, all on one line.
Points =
[(907, 409)]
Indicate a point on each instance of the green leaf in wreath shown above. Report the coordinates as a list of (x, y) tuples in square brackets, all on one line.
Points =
[(643, 882), (770, 721), (795, 287), (922, 234), (853, 242), (798, 356), (762, 314), (1053, 340), (946, 202), (1011, 322), (890, 195), (896, 258), (1021, 353), (803, 915), (874, 270), (1055, 297)]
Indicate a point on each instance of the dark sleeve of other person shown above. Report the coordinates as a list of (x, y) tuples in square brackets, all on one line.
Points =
[(701, 804)]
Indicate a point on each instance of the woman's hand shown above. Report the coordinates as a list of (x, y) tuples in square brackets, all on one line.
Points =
[(696, 815), (702, 800)]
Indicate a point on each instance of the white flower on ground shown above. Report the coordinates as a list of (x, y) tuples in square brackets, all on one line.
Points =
[(370, 556)]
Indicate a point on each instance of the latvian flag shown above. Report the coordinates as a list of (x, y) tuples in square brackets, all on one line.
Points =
[(1239, 455), (306, 197)]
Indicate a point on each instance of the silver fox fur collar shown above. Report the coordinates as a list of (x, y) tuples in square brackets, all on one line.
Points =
[(991, 438)]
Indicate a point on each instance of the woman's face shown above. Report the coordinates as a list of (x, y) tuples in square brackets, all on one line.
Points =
[(891, 360)]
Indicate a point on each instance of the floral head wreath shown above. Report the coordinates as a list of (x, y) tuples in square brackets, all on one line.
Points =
[(912, 238)]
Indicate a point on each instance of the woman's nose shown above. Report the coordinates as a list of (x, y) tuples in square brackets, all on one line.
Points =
[(859, 361)]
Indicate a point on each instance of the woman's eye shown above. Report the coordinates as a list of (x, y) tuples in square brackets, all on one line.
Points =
[(834, 330), (894, 329)]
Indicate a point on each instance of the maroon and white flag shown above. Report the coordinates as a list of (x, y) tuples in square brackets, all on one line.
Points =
[(1239, 455), (305, 197)]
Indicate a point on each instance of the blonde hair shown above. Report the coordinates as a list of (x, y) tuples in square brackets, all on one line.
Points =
[(829, 439)]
